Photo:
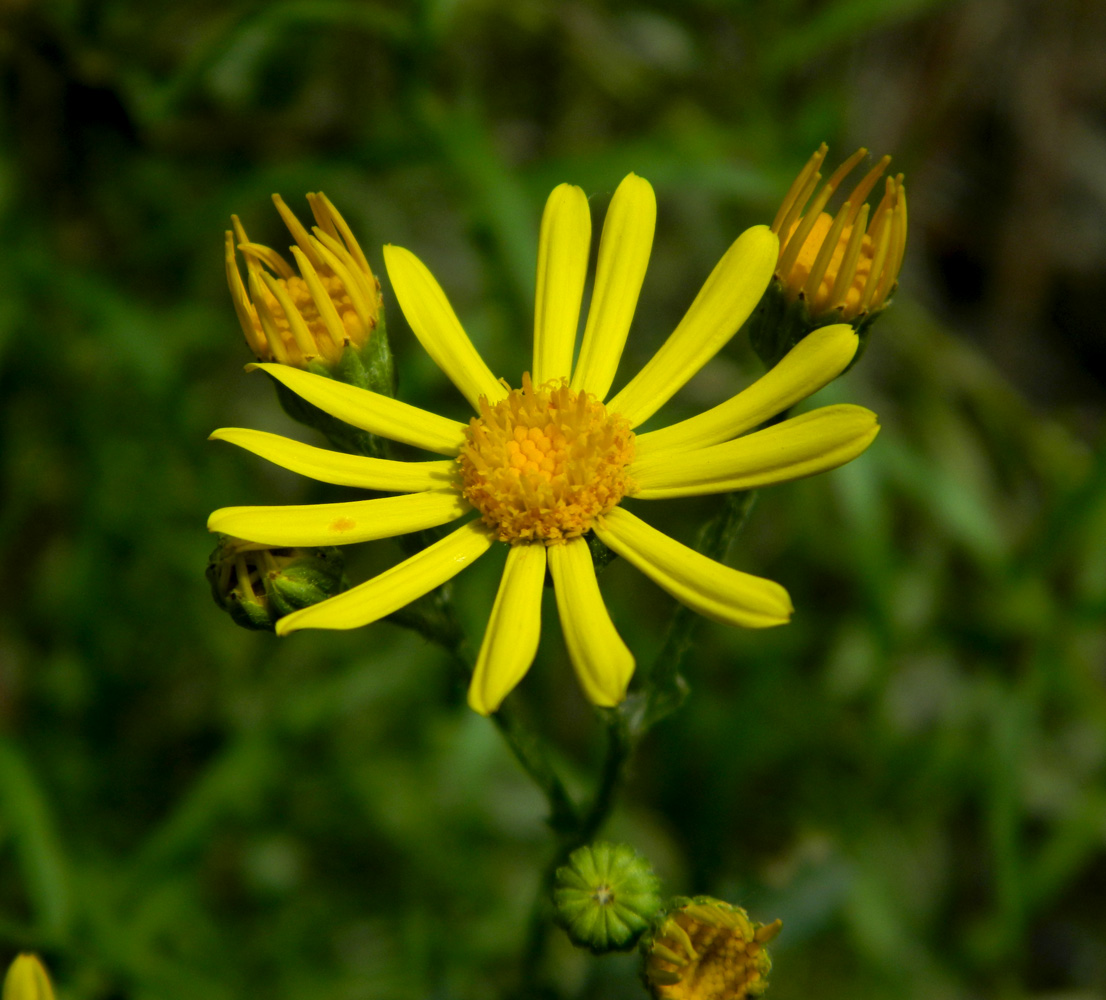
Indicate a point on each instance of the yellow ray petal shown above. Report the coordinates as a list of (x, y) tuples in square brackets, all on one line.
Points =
[(603, 664), (400, 585), (339, 468), (724, 302), (801, 446), (563, 249), (814, 362), (623, 257), (511, 638), (436, 325), (339, 523), (372, 412), (715, 591)]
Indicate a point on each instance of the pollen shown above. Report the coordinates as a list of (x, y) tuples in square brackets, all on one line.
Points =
[(544, 463)]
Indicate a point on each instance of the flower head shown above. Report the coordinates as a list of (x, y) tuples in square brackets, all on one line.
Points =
[(848, 262), (705, 949), (257, 585), (297, 318), (605, 896), (555, 458), (27, 980)]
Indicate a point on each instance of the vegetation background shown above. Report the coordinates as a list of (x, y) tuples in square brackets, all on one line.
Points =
[(911, 774)]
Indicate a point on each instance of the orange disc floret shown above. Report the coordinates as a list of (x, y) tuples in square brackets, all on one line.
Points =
[(544, 463)]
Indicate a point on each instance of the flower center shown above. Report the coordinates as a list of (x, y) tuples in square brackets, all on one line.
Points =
[(544, 463)]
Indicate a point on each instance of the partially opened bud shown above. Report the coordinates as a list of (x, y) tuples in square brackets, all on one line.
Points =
[(325, 313), (832, 268), (257, 585), (27, 980), (606, 896), (705, 949)]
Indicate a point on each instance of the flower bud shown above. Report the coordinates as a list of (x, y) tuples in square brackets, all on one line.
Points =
[(325, 315), (27, 980), (257, 585), (705, 949), (831, 268), (606, 896)]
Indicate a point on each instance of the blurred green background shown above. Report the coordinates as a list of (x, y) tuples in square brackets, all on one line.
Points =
[(911, 774)]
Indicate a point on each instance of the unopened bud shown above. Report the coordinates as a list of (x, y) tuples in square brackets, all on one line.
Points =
[(257, 585), (606, 896)]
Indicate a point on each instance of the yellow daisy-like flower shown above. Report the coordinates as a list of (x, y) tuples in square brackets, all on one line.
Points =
[(844, 261), (545, 463)]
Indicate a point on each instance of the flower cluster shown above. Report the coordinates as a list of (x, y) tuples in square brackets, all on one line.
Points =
[(547, 463)]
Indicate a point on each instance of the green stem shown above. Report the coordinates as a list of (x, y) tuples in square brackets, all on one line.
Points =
[(435, 617), (620, 746), (665, 688)]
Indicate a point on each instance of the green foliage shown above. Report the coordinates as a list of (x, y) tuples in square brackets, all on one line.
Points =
[(911, 774)]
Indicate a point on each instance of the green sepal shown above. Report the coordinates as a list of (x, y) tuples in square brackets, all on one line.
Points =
[(282, 580), (313, 577), (779, 322)]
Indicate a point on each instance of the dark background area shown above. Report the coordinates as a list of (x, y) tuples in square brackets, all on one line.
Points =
[(911, 774)]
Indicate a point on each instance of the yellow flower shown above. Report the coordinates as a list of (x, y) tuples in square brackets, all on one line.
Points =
[(294, 319), (706, 949), (847, 262), (548, 462), (27, 980)]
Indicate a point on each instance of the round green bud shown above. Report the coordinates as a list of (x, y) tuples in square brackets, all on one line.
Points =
[(606, 896), (257, 585)]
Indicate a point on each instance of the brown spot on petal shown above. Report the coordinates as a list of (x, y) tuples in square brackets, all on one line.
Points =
[(342, 524)]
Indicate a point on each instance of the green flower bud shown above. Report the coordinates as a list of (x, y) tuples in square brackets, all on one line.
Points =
[(704, 949), (257, 585), (606, 896), (27, 980)]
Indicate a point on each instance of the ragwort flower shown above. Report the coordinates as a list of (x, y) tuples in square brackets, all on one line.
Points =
[(548, 462)]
